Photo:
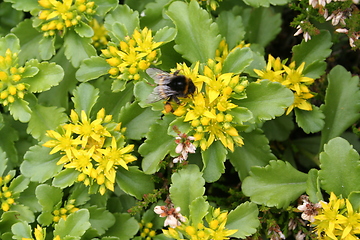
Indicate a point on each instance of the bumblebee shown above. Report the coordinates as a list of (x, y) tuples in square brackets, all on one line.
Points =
[(169, 86)]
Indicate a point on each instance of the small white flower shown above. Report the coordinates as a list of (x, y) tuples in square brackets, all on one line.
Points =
[(306, 35), (173, 215), (184, 146), (342, 30), (309, 209)]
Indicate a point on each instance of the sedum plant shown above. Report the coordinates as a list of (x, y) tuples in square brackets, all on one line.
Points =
[(179, 119)]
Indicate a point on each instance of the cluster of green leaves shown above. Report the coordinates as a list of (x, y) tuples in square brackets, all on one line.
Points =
[(66, 72)]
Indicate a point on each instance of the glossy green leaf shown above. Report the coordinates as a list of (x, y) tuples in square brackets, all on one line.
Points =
[(19, 184), (277, 184), (77, 48), (255, 152), (104, 6), (45, 118), (85, 96), (134, 182), (265, 3), (23, 6), (241, 115), (3, 162), (310, 121), (279, 128), (157, 145), (245, 219), (21, 230), (231, 27), (92, 68), (238, 60), (24, 213), (11, 42), (181, 193), (354, 198), (154, 15), (312, 52), (38, 157), (49, 197), (47, 48), (313, 186), (65, 178), (124, 16), (198, 209), (198, 37), (262, 25), (29, 39), (8, 144), (342, 103), (137, 120), (84, 30), (20, 110), (124, 228), (49, 75), (266, 99), (165, 34), (101, 219), (213, 159), (75, 224), (339, 167)]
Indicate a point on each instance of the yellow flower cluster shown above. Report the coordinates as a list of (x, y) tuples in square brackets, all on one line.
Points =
[(134, 54), (90, 147), (337, 220), (59, 15), (6, 196), (10, 78), (209, 111), (290, 77), (223, 50), (146, 231), (214, 229), (101, 37), (40, 234), (64, 211)]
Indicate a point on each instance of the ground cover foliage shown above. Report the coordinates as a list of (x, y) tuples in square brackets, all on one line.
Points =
[(260, 141)]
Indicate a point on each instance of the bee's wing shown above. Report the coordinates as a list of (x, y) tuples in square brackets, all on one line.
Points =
[(158, 75), (159, 93)]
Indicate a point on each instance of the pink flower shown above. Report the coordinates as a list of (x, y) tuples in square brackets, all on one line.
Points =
[(309, 209), (184, 146), (173, 215)]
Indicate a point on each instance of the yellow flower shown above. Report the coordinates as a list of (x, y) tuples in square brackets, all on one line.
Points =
[(59, 15), (133, 55), (291, 78), (101, 37), (88, 153), (11, 87)]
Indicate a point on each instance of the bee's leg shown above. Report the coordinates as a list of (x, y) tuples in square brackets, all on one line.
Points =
[(175, 99)]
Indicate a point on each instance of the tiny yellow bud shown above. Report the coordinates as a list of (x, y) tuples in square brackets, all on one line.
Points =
[(52, 25), (152, 233), (81, 177), (68, 23), (7, 194), (60, 26), (11, 99), (113, 61), (214, 224), (113, 71), (16, 77), (12, 89), (81, 7), (45, 3), (3, 76), (132, 70), (190, 230), (228, 117), (102, 190), (143, 65), (44, 14), (149, 225), (90, 4), (205, 121), (201, 234), (100, 179), (124, 46), (63, 211), (56, 218), (5, 206), (10, 201), (220, 117), (136, 77), (20, 95), (113, 50), (74, 22)]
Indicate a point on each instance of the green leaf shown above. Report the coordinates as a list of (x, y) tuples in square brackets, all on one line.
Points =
[(312, 52), (84, 30), (213, 159), (75, 224), (101, 219), (47, 48), (49, 75), (339, 168), (313, 186), (250, 154), (92, 68), (65, 178), (137, 120), (181, 193), (77, 48), (124, 16), (134, 182), (20, 110), (245, 219), (85, 96), (124, 228), (104, 6), (38, 157), (265, 3), (310, 121), (48, 197), (342, 103), (157, 145), (153, 15), (3, 162), (19, 184), (26, 6), (24, 212), (45, 118), (198, 209), (237, 60), (277, 184), (354, 198), (279, 129), (198, 37), (166, 34), (262, 25), (266, 99), (21, 230), (11, 42), (231, 27), (241, 115)]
